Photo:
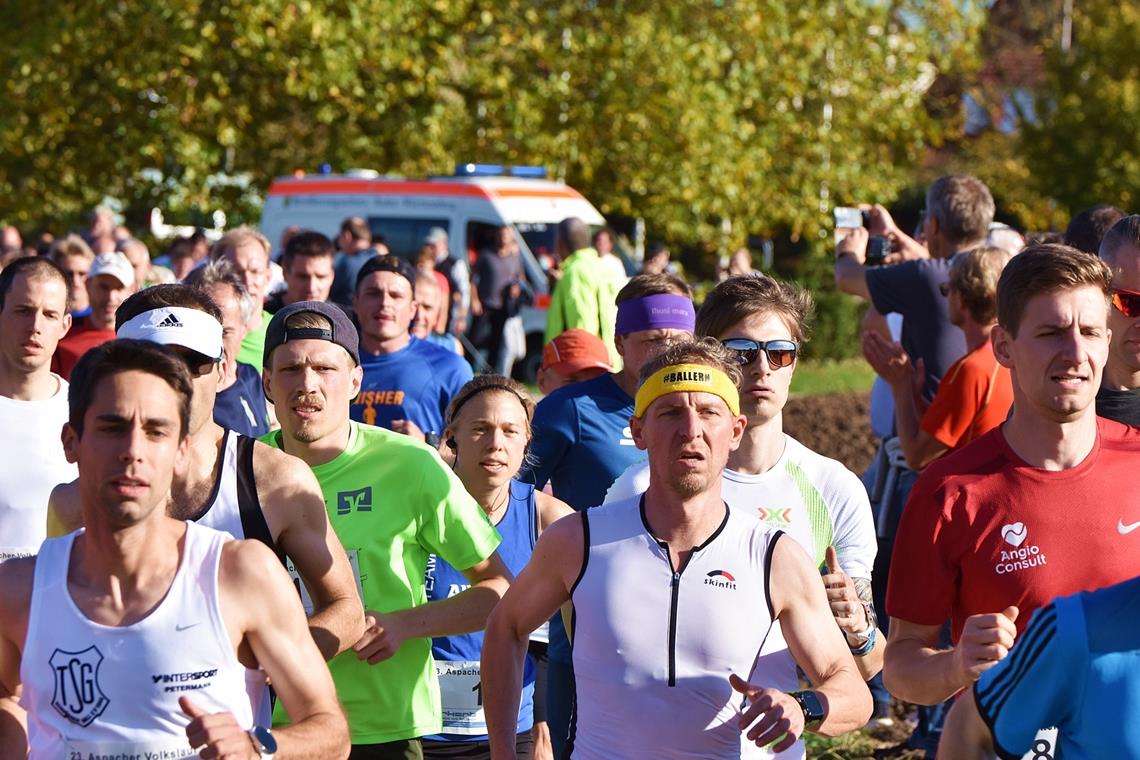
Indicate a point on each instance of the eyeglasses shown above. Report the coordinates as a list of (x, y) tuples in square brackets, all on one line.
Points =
[(1127, 302), (779, 353)]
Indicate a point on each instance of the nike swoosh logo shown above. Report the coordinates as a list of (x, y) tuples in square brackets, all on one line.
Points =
[(180, 628), (1123, 529)]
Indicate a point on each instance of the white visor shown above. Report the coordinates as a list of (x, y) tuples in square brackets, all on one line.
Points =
[(177, 326)]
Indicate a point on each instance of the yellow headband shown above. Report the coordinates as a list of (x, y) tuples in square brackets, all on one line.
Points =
[(686, 377)]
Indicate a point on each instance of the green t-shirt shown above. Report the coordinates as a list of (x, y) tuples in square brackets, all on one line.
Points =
[(393, 502), (253, 344)]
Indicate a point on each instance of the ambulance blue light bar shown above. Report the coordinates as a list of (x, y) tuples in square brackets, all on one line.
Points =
[(498, 170)]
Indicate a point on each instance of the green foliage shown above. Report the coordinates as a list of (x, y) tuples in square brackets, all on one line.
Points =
[(748, 116), (1085, 148)]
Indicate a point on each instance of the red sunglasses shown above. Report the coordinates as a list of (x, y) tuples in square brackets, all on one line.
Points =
[(1127, 302)]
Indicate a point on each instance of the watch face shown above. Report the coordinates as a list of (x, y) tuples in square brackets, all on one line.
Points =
[(813, 708), (265, 739)]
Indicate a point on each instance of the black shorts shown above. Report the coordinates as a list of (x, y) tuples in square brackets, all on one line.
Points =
[(436, 750)]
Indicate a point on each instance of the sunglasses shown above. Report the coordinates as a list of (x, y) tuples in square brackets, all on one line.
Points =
[(198, 364), (779, 353), (1127, 302)]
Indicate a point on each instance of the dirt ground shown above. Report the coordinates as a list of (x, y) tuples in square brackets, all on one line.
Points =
[(835, 425)]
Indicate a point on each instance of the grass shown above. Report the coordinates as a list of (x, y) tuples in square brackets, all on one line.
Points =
[(832, 376)]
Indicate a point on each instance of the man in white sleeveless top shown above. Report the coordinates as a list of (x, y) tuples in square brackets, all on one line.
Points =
[(33, 400), (132, 638), (673, 597), (232, 483)]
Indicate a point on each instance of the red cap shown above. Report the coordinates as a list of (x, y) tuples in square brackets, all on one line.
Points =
[(575, 350)]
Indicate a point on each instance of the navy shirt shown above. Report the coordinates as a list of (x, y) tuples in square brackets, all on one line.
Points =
[(415, 383), (241, 407), (911, 289)]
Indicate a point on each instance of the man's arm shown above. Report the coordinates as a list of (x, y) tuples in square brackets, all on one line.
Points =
[(542, 586), (849, 598), (915, 670), (799, 603), (850, 270), (891, 363), (965, 736), (15, 599), (462, 613), (259, 602), (64, 514), (295, 510)]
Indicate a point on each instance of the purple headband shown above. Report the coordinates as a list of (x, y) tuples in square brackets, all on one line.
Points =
[(658, 312)]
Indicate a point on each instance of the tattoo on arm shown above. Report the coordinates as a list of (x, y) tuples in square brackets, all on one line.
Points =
[(862, 588)]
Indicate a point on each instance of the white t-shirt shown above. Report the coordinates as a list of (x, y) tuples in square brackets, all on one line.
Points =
[(31, 464), (815, 500)]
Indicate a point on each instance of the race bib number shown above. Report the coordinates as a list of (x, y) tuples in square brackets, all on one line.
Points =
[(461, 694), (306, 600), (1044, 746), (171, 749)]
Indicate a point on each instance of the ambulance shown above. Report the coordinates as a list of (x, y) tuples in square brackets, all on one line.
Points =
[(469, 205)]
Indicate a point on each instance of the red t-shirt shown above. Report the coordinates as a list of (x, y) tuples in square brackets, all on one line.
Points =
[(983, 530), (973, 398), (81, 337)]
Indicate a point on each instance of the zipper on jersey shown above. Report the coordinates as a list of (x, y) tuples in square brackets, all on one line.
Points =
[(674, 595)]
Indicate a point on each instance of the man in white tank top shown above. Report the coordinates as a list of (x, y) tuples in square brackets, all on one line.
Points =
[(289, 514), (33, 400), (673, 597), (132, 638)]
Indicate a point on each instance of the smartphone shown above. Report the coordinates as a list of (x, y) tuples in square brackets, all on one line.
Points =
[(849, 217)]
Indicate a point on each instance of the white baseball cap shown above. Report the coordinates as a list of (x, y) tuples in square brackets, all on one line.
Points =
[(177, 326), (116, 265)]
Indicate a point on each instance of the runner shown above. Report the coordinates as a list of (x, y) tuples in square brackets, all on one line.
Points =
[(776, 479), (999, 528), (712, 579), (488, 428), (1074, 668), (230, 482), (393, 503), (33, 400), (132, 638)]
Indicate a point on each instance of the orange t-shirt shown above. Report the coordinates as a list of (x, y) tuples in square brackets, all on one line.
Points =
[(973, 398)]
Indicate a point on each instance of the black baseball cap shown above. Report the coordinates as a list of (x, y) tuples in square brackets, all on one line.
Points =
[(343, 332), (389, 263)]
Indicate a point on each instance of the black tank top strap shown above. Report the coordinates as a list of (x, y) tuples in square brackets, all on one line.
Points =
[(253, 522)]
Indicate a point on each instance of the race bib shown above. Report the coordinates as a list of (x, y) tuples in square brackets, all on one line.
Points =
[(1044, 746), (171, 749), (461, 694), (306, 600)]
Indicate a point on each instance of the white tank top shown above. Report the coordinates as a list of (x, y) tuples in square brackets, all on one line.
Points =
[(93, 690), (653, 649)]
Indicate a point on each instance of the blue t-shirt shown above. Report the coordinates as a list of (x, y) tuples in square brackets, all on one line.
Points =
[(457, 657), (582, 441), (415, 383), (345, 270), (241, 407), (911, 289), (1076, 667), (581, 444)]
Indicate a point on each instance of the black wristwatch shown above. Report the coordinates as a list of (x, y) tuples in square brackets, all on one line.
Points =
[(812, 706)]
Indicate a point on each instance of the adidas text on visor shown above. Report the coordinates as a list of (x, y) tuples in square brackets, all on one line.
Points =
[(177, 326)]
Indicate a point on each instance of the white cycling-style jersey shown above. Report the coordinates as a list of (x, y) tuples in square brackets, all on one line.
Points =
[(819, 503), (98, 691), (654, 647)]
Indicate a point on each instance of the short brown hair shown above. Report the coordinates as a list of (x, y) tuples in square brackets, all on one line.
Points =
[(308, 243), (746, 295), (652, 285), (121, 355), (486, 384), (974, 276), (72, 245), (1043, 269), (706, 351), (1087, 229), (33, 268), (963, 207), (357, 229)]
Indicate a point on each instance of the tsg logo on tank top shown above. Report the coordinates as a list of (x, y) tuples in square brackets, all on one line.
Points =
[(77, 696)]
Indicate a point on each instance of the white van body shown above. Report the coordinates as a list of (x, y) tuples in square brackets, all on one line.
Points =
[(404, 210)]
